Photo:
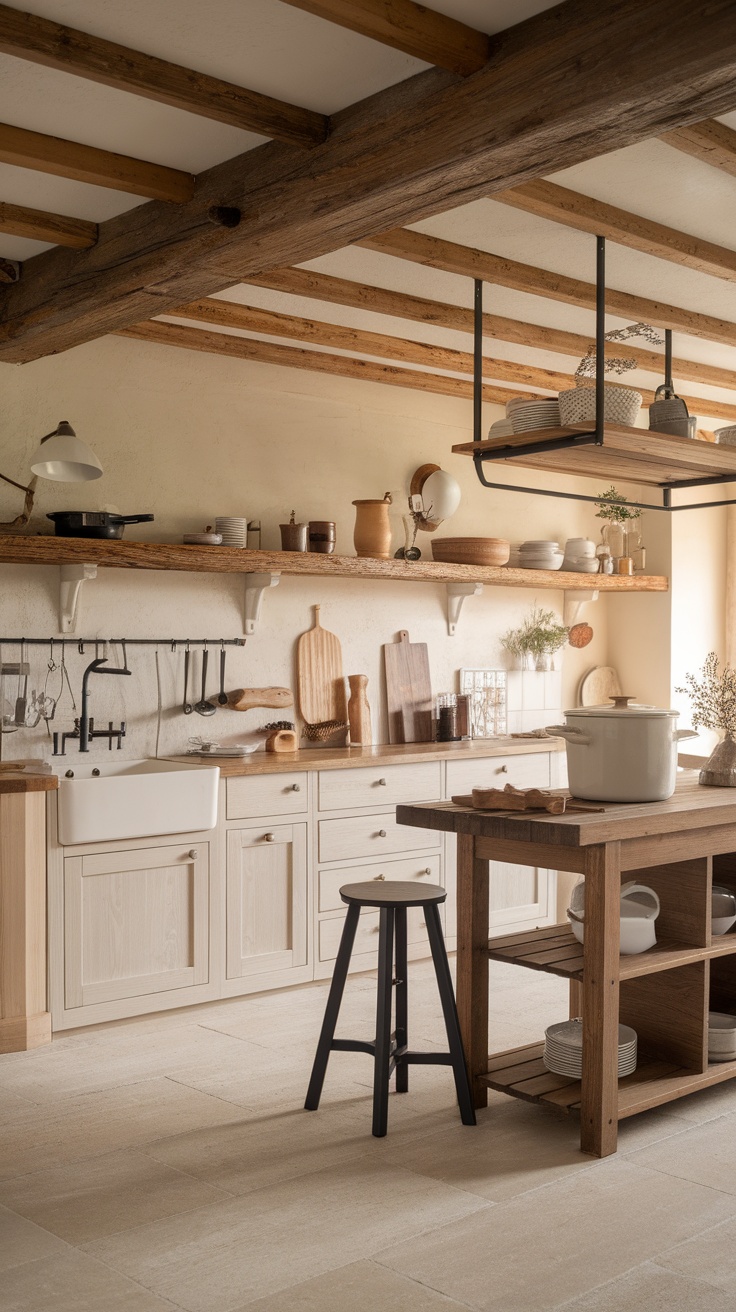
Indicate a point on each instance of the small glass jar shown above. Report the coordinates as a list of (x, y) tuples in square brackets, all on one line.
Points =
[(447, 718)]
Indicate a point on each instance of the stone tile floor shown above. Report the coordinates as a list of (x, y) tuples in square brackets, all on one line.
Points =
[(166, 1163)]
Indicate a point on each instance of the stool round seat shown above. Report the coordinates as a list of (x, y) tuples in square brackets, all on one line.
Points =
[(392, 893)]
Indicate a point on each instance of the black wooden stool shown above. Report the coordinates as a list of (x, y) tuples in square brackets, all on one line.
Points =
[(389, 1050)]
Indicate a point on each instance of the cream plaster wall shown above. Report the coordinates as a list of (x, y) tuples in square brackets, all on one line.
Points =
[(190, 436)]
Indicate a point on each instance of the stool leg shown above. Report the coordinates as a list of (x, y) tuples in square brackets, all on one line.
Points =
[(402, 1000), (332, 1009), (452, 1024), (383, 1021)]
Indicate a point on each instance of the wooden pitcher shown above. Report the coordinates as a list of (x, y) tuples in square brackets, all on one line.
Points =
[(372, 536)]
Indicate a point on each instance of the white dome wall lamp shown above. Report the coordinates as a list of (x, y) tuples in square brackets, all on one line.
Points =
[(61, 457), (440, 496)]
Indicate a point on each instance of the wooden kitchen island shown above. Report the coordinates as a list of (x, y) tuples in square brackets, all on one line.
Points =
[(679, 848)]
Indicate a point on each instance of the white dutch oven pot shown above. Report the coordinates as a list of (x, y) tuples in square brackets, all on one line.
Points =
[(621, 753)]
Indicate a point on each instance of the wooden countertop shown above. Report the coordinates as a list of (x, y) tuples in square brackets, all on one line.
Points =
[(17, 781), (691, 807), (346, 758)]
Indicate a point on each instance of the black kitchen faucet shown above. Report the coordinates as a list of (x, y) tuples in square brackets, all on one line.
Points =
[(84, 727)]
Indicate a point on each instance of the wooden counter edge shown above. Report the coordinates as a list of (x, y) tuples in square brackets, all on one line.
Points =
[(12, 782), (350, 758)]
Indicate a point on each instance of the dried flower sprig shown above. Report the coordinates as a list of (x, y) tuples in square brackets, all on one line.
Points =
[(541, 634), (712, 696), (618, 364), (619, 514)]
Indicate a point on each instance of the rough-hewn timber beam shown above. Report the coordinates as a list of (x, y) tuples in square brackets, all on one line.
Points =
[(406, 26), (20, 221), (400, 305), (245, 318), (70, 159), (548, 201), (291, 357), (712, 143), (426, 146), (43, 42), (435, 253)]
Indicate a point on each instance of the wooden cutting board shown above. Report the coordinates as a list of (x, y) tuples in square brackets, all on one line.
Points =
[(599, 685), (408, 691), (320, 680)]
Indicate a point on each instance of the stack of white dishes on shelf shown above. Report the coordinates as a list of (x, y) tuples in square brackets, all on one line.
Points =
[(540, 554), (722, 909), (501, 428), (725, 436), (563, 1049), (234, 531), (721, 1036), (526, 415), (580, 557)]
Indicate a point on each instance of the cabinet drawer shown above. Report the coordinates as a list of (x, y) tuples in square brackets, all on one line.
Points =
[(530, 771), (366, 938), (379, 786), (423, 869), (370, 835), (267, 794)]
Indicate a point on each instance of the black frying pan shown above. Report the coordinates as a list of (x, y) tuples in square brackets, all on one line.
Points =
[(93, 523)]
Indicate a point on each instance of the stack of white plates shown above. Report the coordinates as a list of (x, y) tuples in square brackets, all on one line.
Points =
[(526, 416), (540, 554), (580, 557), (726, 436), (563, 1049), (721, 1036), (501, 428), (234, 531)]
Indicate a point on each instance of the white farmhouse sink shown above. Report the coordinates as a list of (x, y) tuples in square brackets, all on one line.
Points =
[(134, 799)]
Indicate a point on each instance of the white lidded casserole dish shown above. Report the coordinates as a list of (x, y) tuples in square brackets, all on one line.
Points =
[(621, 752)]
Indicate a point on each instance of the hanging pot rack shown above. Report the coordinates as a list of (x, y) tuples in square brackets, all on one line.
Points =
[(665, 449)]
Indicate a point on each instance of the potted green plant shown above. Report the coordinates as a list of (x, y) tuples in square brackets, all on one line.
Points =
[(535, 642), (712, 696)]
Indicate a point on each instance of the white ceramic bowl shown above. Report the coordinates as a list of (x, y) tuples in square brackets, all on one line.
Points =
[(637, 934), (723, 910)]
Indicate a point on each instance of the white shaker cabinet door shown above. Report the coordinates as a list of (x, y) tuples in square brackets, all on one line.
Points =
[(267, 899), (135, 922)]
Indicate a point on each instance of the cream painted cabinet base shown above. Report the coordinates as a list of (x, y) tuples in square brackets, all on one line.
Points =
[(24, 1020), (267, 907), (135, 931)]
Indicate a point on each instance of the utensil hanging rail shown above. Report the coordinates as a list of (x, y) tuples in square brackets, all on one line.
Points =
[(173, 643)]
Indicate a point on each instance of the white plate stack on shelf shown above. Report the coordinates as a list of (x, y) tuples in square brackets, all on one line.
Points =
[(526, 416), (721, 1036), (501, 428), (539, 554), (563, 1049), (580, 557), (234, 531)]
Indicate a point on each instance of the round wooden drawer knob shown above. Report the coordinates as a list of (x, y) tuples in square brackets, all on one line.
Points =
[(296, 788), (502, 769), (269, 837), (382, 833), (193, 853), (382, 783)]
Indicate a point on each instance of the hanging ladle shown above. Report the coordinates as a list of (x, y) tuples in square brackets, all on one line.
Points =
[(187, 707), (204, 707)]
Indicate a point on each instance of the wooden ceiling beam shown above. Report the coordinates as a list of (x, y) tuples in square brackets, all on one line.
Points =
[(435, 253), (43, 42), (400, 305), (245, 318), (70, 159), (410, 27), (711, 142), (547, 200), (414, 150), (291, 357), (20, 221)]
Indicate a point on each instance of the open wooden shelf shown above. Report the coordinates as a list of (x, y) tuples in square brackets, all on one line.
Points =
[(635, 455), (556, 951), (521, 1073), (47, 550)]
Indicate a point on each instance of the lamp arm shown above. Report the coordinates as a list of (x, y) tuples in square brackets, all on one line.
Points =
[(21, 486), (22, 519)]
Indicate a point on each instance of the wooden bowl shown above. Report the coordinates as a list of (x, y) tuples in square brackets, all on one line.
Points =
[(471, 551)]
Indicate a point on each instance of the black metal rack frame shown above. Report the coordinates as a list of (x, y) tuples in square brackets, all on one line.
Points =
[(597, 436)]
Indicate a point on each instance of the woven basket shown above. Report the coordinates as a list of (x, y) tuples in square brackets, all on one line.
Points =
[(621, 405)]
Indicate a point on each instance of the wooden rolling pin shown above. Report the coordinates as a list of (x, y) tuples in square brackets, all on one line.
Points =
[(246, 699)]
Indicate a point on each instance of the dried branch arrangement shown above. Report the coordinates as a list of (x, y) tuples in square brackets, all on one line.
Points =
[(713, 696), (618, 364)]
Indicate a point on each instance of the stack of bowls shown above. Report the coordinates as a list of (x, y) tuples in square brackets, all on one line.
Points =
[(580, 557), (234, 531), (540, 554), (527, 416), (722, 909), (721, 1036), (563, 1049)]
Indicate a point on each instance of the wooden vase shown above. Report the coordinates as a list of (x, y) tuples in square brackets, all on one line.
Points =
[(372, 536), (359, 712)]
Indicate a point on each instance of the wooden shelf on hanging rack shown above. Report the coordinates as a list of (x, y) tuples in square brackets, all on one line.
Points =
[(636, 455)]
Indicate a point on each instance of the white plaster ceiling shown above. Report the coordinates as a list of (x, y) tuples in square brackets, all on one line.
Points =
[(274, 48)]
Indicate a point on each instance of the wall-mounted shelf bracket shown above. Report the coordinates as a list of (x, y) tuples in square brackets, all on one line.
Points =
[(71, 578), (255, 586), (456, 594), (574, 602)]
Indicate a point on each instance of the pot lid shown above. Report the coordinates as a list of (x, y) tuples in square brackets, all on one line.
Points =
[(623, 707)]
